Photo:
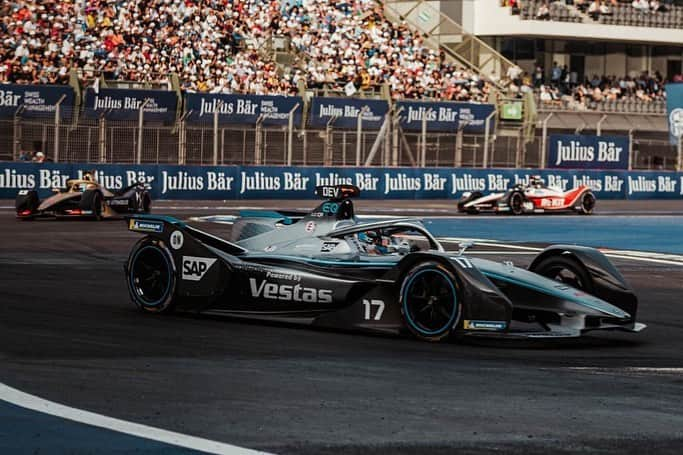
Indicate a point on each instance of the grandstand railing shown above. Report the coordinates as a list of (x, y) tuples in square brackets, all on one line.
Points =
[(442, 32), (98, 140)]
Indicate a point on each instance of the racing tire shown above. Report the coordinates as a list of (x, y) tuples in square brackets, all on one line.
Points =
[(566, 270), (429, 299), (146, 202), (470, 210), (587, 203), (29, 201), (151, 277), (516, 203), (97, 202)]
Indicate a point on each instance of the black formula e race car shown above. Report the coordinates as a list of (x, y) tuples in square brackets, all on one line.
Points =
[(327, 269), (84, 198)]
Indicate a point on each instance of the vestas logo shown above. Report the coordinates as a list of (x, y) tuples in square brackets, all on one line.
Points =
[(295, 293)]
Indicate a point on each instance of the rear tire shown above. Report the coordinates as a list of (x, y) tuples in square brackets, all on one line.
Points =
[(587, 203), (151, 277), (97, 202), (565, 270), (429, 301), (516, 203)]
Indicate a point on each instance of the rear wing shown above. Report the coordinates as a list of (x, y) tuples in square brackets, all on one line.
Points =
[(164, 228)]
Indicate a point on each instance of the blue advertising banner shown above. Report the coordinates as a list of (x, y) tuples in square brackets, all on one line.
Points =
[(270, 182), (346, 111), (244, 109), (37, 100), (674, 110), (445, 116), (572, 151), (124, 104)]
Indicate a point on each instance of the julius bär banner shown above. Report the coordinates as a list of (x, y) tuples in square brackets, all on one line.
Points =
[(125, 104), (279, 182), (344, 112), (445, 116), (243, 109), (35, 100), (573, 151)]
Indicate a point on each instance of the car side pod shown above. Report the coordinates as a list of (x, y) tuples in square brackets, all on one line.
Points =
[(588, 270), (174, 261)]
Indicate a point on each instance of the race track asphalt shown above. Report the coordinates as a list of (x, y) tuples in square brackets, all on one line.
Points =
[(68, 333)]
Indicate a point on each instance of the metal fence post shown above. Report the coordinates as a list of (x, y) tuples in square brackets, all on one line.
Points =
[(16, 132), (102, 139), (359, 133), (182, 138), (544, 140), (395, 139), (219, 105), (327, 155), (290, 133), (630, 148), (457, 159), (598, 127), (57, 121), (259, 153), (423, 141), (487, 130), (141, 119)]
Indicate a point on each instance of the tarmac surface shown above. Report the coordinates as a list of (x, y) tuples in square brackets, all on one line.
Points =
[(68, 333)]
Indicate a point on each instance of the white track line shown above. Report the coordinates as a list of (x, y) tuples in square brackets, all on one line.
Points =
[(630, 370), (25, 400)]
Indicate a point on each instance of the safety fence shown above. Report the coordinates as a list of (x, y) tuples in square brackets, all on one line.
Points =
[(68, 138)]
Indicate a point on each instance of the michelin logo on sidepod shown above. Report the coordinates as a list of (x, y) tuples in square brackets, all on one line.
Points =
[(194, 268)]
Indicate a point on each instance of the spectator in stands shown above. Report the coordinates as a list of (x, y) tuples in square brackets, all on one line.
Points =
[(641, 5), (556, 73), (594, 10), (543, 12), (538, 75), (39, 157), (605, 9)]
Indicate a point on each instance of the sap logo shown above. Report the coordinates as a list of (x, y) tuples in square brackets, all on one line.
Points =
[(294, 293), (194, 268), (330, 192)]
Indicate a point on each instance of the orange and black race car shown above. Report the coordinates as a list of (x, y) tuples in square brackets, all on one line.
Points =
[(535, 197), (84, 197)]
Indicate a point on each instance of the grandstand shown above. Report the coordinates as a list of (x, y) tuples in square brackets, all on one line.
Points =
[(575, 57)]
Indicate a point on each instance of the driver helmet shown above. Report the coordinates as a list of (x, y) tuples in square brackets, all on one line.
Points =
[(536, 181), (88, 176)]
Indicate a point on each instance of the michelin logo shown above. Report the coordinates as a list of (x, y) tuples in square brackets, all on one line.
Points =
[(484, 325), (194, 268), (145, 226)]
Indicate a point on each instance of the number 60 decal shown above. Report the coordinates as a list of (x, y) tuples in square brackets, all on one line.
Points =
[(373, 305)]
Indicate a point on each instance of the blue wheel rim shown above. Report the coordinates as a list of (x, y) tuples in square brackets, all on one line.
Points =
[(438, 305)]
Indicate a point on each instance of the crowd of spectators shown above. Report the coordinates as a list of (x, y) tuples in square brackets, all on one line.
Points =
[(217, 46), (564, 88)]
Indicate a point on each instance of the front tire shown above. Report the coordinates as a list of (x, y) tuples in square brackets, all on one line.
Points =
[(429, 300), (151, 277), (516, 203), (587, 203), (566, 270)]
